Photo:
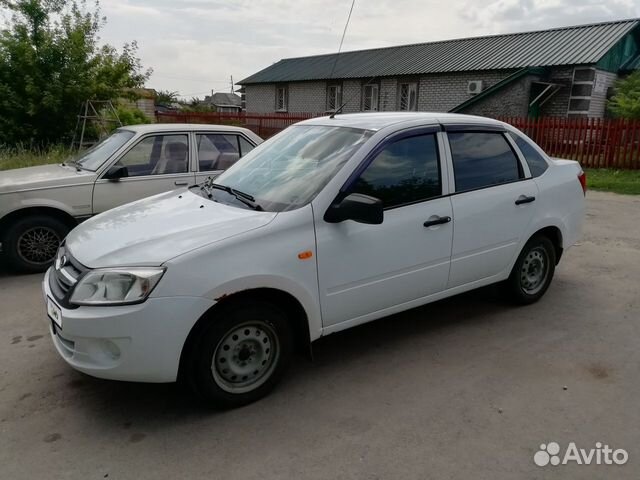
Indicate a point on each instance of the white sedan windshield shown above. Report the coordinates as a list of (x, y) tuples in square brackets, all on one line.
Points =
[(288, 170)]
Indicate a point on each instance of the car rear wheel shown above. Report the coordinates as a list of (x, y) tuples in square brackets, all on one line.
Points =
[(31, 243), (241, 355), (533, 271)]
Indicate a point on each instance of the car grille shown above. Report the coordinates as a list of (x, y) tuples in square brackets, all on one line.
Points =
[(64, 275)]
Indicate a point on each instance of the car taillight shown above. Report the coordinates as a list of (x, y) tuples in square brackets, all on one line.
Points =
[(582, 177)]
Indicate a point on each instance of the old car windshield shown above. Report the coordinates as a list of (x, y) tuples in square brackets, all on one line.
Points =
[(289, 170), (93, 158)]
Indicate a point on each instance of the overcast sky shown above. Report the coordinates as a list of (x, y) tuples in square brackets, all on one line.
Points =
[(194, 46)]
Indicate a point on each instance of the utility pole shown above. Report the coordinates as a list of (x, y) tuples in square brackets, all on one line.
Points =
[(231, 83)]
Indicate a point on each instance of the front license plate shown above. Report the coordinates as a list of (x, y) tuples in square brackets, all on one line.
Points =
[(54, 312)]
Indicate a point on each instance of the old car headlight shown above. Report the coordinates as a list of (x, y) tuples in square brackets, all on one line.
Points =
[(117, 286)]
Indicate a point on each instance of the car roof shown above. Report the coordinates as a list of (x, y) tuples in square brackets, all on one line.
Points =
[(378, 120), (180, 127)]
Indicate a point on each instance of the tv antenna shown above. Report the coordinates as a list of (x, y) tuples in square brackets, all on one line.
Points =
[(335, 62)]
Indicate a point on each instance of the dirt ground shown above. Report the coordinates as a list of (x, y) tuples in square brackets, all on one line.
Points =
[(469, 387)]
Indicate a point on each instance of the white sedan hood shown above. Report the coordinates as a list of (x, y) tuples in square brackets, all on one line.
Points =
[(156, 229), (42, 176)]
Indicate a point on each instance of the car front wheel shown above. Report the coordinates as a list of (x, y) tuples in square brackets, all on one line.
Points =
[(31, 243), (241, 355), (533, 271)]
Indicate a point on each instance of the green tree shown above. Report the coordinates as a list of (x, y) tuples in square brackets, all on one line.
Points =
[(51, 62), (166, 97), (626, 101)]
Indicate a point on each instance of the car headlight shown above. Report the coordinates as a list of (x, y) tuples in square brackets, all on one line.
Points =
[(116, 286)]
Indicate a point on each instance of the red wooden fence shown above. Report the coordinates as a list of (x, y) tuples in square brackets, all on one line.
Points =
[(594, 142), (265, 125)]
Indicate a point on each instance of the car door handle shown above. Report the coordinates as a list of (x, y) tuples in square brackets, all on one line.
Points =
[(524, 199), (437, 221), (178, 182)]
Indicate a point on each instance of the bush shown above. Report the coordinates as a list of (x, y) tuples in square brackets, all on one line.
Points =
[(626, 101), (130, 116)]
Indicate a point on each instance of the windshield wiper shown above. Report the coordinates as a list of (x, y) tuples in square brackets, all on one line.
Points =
[(245, 198)]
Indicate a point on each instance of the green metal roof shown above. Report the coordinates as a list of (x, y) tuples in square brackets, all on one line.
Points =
[(633, 65), (576, 45)]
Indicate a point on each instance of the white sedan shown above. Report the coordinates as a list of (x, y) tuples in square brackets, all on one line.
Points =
[(39, 205), (331, 223)]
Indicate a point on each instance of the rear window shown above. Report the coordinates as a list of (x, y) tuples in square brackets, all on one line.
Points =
[(537, 163), (482, 160)]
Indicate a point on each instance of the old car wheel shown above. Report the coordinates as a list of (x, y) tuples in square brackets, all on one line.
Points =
[(32, 242), (533, 271), (242, 353)]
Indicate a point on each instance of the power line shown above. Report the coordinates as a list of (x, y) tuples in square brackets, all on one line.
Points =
[(344, 32), (176, 77)]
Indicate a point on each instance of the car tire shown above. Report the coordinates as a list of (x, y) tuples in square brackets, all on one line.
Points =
[(533, 271), (30, 243), (241, 354)]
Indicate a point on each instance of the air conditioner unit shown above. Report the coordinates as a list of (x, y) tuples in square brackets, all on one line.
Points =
[(474, 87)]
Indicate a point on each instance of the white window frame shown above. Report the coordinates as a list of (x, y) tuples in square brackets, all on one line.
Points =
[(374, 97), (281, 98), (334, 94), (411, 104)]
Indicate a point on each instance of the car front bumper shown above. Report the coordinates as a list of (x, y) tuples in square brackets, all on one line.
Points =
[(140, 343)]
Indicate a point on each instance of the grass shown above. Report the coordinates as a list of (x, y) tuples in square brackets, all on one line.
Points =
[(22, 157), (612, 180)]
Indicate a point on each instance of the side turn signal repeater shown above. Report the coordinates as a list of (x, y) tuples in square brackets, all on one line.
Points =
[(307, 254)]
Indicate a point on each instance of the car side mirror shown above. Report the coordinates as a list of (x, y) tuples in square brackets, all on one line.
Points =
[(357, 207), (116, 172)]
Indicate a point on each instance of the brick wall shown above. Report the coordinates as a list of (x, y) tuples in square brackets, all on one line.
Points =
[(352, 95), (441, 92), (307, 97), (388, 94), (261, 98), (511, 101)]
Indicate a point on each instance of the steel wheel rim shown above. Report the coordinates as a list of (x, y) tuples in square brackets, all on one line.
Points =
[(245, 357), (534, 270), (38, 245)]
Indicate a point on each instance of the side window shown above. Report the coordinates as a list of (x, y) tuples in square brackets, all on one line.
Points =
[(537, 163), (482, 160), (405, 171), (157, 155), (216, 151), (245, 146)]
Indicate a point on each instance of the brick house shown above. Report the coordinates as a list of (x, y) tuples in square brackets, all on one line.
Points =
[(565, 72)]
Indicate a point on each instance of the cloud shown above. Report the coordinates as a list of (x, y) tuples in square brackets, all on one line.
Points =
[(194, 46), (518, 15)]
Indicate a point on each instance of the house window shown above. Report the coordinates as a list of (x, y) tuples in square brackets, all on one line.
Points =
[(334, 97), (281, 99), (408, 96), (370, 98)]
